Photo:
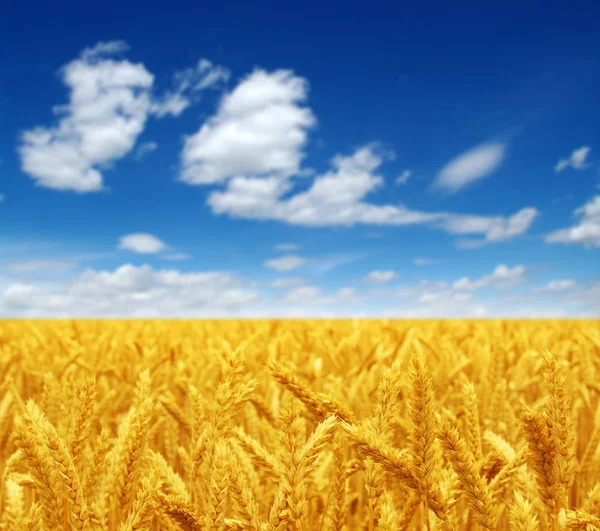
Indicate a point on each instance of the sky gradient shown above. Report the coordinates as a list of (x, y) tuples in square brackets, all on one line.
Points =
[(276, 161)]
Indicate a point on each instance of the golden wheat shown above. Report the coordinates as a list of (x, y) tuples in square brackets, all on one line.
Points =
[(299, 425)]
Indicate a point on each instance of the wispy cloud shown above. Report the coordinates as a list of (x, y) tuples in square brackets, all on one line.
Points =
[(471, 166), (422, 261), (501, 276), (380, 277), (328, 263), (586, 232), (493, 228), (557, 285), (576, 161), (404, 177), (285, 263), (145, 148), (188, 83), (284, 283)]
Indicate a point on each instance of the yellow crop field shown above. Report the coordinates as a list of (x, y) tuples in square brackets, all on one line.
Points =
[(300, 425)]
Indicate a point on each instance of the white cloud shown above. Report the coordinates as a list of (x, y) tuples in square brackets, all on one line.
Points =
[(285, 263), (469, 167), (431, 301), (1, 198), (422, 261), (380, 277), (30, 266), (577, 160), (259, 130), (203, 76), (586, 232), (131, 291), (141, 243), (284, 283), (254, 145), (329, 263), (404, 176), (209, 75), (109, 103), (557, 285), (145, 148), (103, 49), (108, 106), (334, 198), (503, 276), (338, 198), (493, 228), (172, 103), (569, 299), (303, 294), (287, 247)]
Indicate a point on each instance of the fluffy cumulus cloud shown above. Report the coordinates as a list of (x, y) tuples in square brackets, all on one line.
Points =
[(576, 160), (337, 197), (131, 291), (334, 198), (110, 101), (285, 263), (141, 242), (380, 277), (260, 129), (469, 167), (144, 291), (586, 232), (251, 152)]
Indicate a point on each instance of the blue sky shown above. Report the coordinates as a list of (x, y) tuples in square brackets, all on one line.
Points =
[(300, 160)]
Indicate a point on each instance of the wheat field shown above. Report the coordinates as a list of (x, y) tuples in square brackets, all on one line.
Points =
[(303, 425)]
